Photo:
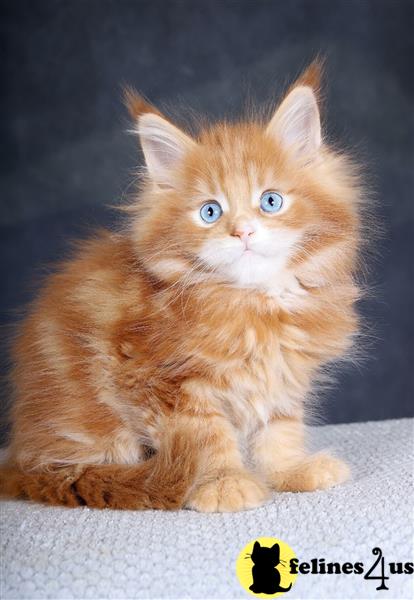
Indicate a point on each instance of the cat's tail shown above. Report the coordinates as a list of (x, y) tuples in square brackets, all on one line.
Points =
[(280, 589), (164, 481)]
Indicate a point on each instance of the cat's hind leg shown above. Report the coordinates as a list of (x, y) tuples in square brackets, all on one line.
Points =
[(162, 482)]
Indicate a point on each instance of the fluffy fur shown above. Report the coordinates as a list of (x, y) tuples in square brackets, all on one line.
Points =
[(169, 365)]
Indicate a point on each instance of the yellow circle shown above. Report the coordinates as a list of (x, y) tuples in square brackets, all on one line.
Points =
[(265, 578)]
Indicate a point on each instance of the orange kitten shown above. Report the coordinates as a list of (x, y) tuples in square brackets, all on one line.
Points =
[(156, 356)]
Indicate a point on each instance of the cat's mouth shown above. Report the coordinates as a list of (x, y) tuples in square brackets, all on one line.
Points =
[(248, 251)]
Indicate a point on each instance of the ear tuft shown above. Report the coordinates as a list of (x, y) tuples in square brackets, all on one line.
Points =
[(164, 147), (312, 76), (136, 104)]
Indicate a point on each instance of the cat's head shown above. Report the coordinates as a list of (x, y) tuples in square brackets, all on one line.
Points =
[(243, 202), (266, 556)]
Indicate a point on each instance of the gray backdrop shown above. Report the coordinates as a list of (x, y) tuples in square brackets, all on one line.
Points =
[(65, 155)]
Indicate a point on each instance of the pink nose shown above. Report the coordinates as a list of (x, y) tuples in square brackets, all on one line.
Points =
[(243, 232)]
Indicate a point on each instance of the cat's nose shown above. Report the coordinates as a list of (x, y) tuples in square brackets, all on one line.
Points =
[(243, 231)]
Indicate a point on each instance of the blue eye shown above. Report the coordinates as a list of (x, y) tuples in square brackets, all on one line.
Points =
[(211, 212), (271, 202)]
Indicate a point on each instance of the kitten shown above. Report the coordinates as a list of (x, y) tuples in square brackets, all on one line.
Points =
[(155, 354)]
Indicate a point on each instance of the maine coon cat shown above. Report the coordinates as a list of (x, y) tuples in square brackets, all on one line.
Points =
[(169, 365)]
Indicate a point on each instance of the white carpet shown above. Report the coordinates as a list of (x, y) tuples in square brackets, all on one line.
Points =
[(83, 553)]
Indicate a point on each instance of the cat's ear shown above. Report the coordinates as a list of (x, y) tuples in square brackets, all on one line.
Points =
[(256, 546), (296, 123), (164, 147), (163, 144), (275, 547)]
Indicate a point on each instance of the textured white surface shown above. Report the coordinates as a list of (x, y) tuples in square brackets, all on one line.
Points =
[(83, 553)]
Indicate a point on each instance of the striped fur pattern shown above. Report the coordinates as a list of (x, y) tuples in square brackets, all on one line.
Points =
[(171, 364)]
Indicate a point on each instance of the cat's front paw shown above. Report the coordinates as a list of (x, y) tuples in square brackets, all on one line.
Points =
[(317, 472), (229, 493)]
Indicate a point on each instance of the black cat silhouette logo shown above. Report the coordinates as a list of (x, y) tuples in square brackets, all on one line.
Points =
[(263, 567), (266, 577)]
